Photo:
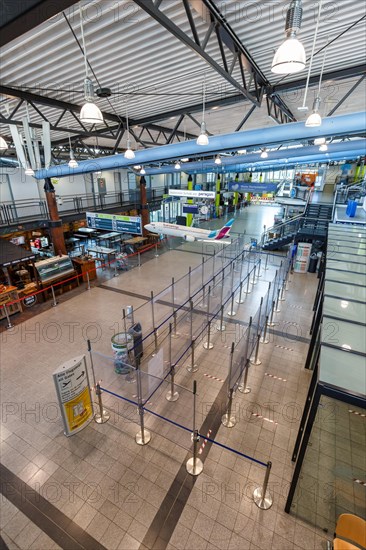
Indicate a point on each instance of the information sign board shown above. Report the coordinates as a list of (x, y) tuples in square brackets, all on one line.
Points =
[(72, 388), (112, 222)]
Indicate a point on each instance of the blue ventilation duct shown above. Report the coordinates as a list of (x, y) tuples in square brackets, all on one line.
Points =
[(333, 126), (229, 164)]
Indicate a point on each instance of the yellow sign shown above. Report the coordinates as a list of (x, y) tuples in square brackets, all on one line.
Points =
[(73, 392)]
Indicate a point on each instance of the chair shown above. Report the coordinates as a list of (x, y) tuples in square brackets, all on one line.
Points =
[(352, 528), (339, 544)]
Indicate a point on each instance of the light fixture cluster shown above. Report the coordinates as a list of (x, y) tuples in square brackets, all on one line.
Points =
[(3, 144)]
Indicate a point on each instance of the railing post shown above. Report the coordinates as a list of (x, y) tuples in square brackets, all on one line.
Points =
[(263, 498), (189, 281), (87, 281), (9, 325), (194, 465), (243, 385), (264, 340), (142, 437), (228, 420), (55, 302), (193, 367), (172, 394), (102, 416)]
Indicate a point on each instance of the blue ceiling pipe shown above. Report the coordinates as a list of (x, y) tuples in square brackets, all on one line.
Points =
[(332, 126), (270, 164), (254, 158)]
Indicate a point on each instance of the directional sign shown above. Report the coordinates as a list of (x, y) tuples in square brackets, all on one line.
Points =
[(193, 194), (244, 187), (72, 388), (111, 222)]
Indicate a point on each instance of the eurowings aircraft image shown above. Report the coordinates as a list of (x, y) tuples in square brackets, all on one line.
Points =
[(190, 234)]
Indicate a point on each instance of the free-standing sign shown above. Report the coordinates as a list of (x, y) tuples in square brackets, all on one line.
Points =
[(111, 222), (72, 388), (29, 301)]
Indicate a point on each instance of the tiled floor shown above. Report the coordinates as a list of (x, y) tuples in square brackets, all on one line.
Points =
[(126, 496)]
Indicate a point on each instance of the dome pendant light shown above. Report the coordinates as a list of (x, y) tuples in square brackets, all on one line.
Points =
[(203, 137), (72, 162), (264, 154), (218, 159), (323, 147), (142, 171), (3, 144), (90, 113), (314, 119), (129, 154), (177, 165), (290, 56)]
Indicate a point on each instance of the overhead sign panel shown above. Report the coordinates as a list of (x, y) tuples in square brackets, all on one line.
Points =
[(111, 222), (244, 187), (192, 194)]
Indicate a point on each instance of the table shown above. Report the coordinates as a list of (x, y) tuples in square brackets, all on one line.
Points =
[(103, 251), (113, 236), (135, 240)]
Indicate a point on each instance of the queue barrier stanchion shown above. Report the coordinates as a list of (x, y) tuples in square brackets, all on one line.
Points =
[(153, 320), (189, 281), (54, 302), (239, 299), (9, 325), (282, 296), (193, 367), (271, 322), (172, 394), (266, 262), (228, 419), (115, 274), (156, 250), (232, 311), (254, 282), (142, 437), (87, 281), (221, 325), (102, 416), (264, 339), (259, 268), (255, 360), (248, 291), (175, 333), (194, 465), (243, 385), (91, 363), (261, 496), (278, 309)]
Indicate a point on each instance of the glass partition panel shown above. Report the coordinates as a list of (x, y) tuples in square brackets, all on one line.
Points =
[(332, 476)]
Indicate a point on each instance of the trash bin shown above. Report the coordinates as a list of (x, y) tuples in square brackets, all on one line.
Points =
[(351, 208), (122, 343), (312, 263), (136, 332)]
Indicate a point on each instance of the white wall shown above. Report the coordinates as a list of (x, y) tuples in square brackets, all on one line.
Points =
[(23, 187)]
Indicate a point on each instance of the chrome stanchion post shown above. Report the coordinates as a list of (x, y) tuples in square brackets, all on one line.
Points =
[(261, 496), (281, 296), (271, 323), (191, 318), (203, 304), (266, 262), (102, 416), (277, 310), (254, 282), (194, 465), (153, 321), (264, 339), (228, 420), (173, 297), (189, 281), (55, 302), (221, 325), (243, 385), (172, 394), (138, 259), (254, 360), (248, 291), (175, 333), (232, 312), (193, 367), (9, 325), (203, 272), (87, 281), (156, 250), (259, 268), (142, 437), (240, 300), (208, 344), (91, 363), (115, 274)]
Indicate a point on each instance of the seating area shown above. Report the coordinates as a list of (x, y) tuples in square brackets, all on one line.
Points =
[(350, 533)]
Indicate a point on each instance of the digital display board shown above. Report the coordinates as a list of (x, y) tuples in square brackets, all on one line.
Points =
[(112, 222)]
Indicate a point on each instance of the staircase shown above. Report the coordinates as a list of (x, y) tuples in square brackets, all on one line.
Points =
[(309, 226)]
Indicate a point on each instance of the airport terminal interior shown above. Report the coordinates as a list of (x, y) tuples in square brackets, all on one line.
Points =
[(182, 275)]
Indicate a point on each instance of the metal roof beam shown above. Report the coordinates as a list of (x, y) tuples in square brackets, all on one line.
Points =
[(220, 26), (18, 18), (346, 95), (341, 74)]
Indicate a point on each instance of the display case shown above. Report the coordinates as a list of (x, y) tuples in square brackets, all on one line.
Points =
[(54, 268)]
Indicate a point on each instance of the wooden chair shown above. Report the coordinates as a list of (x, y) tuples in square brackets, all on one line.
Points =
[(352, 528)]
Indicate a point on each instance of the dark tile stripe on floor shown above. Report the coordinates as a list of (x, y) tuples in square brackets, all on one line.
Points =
[(3, 546), (127, 292), (42, 513), (167, 517)]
